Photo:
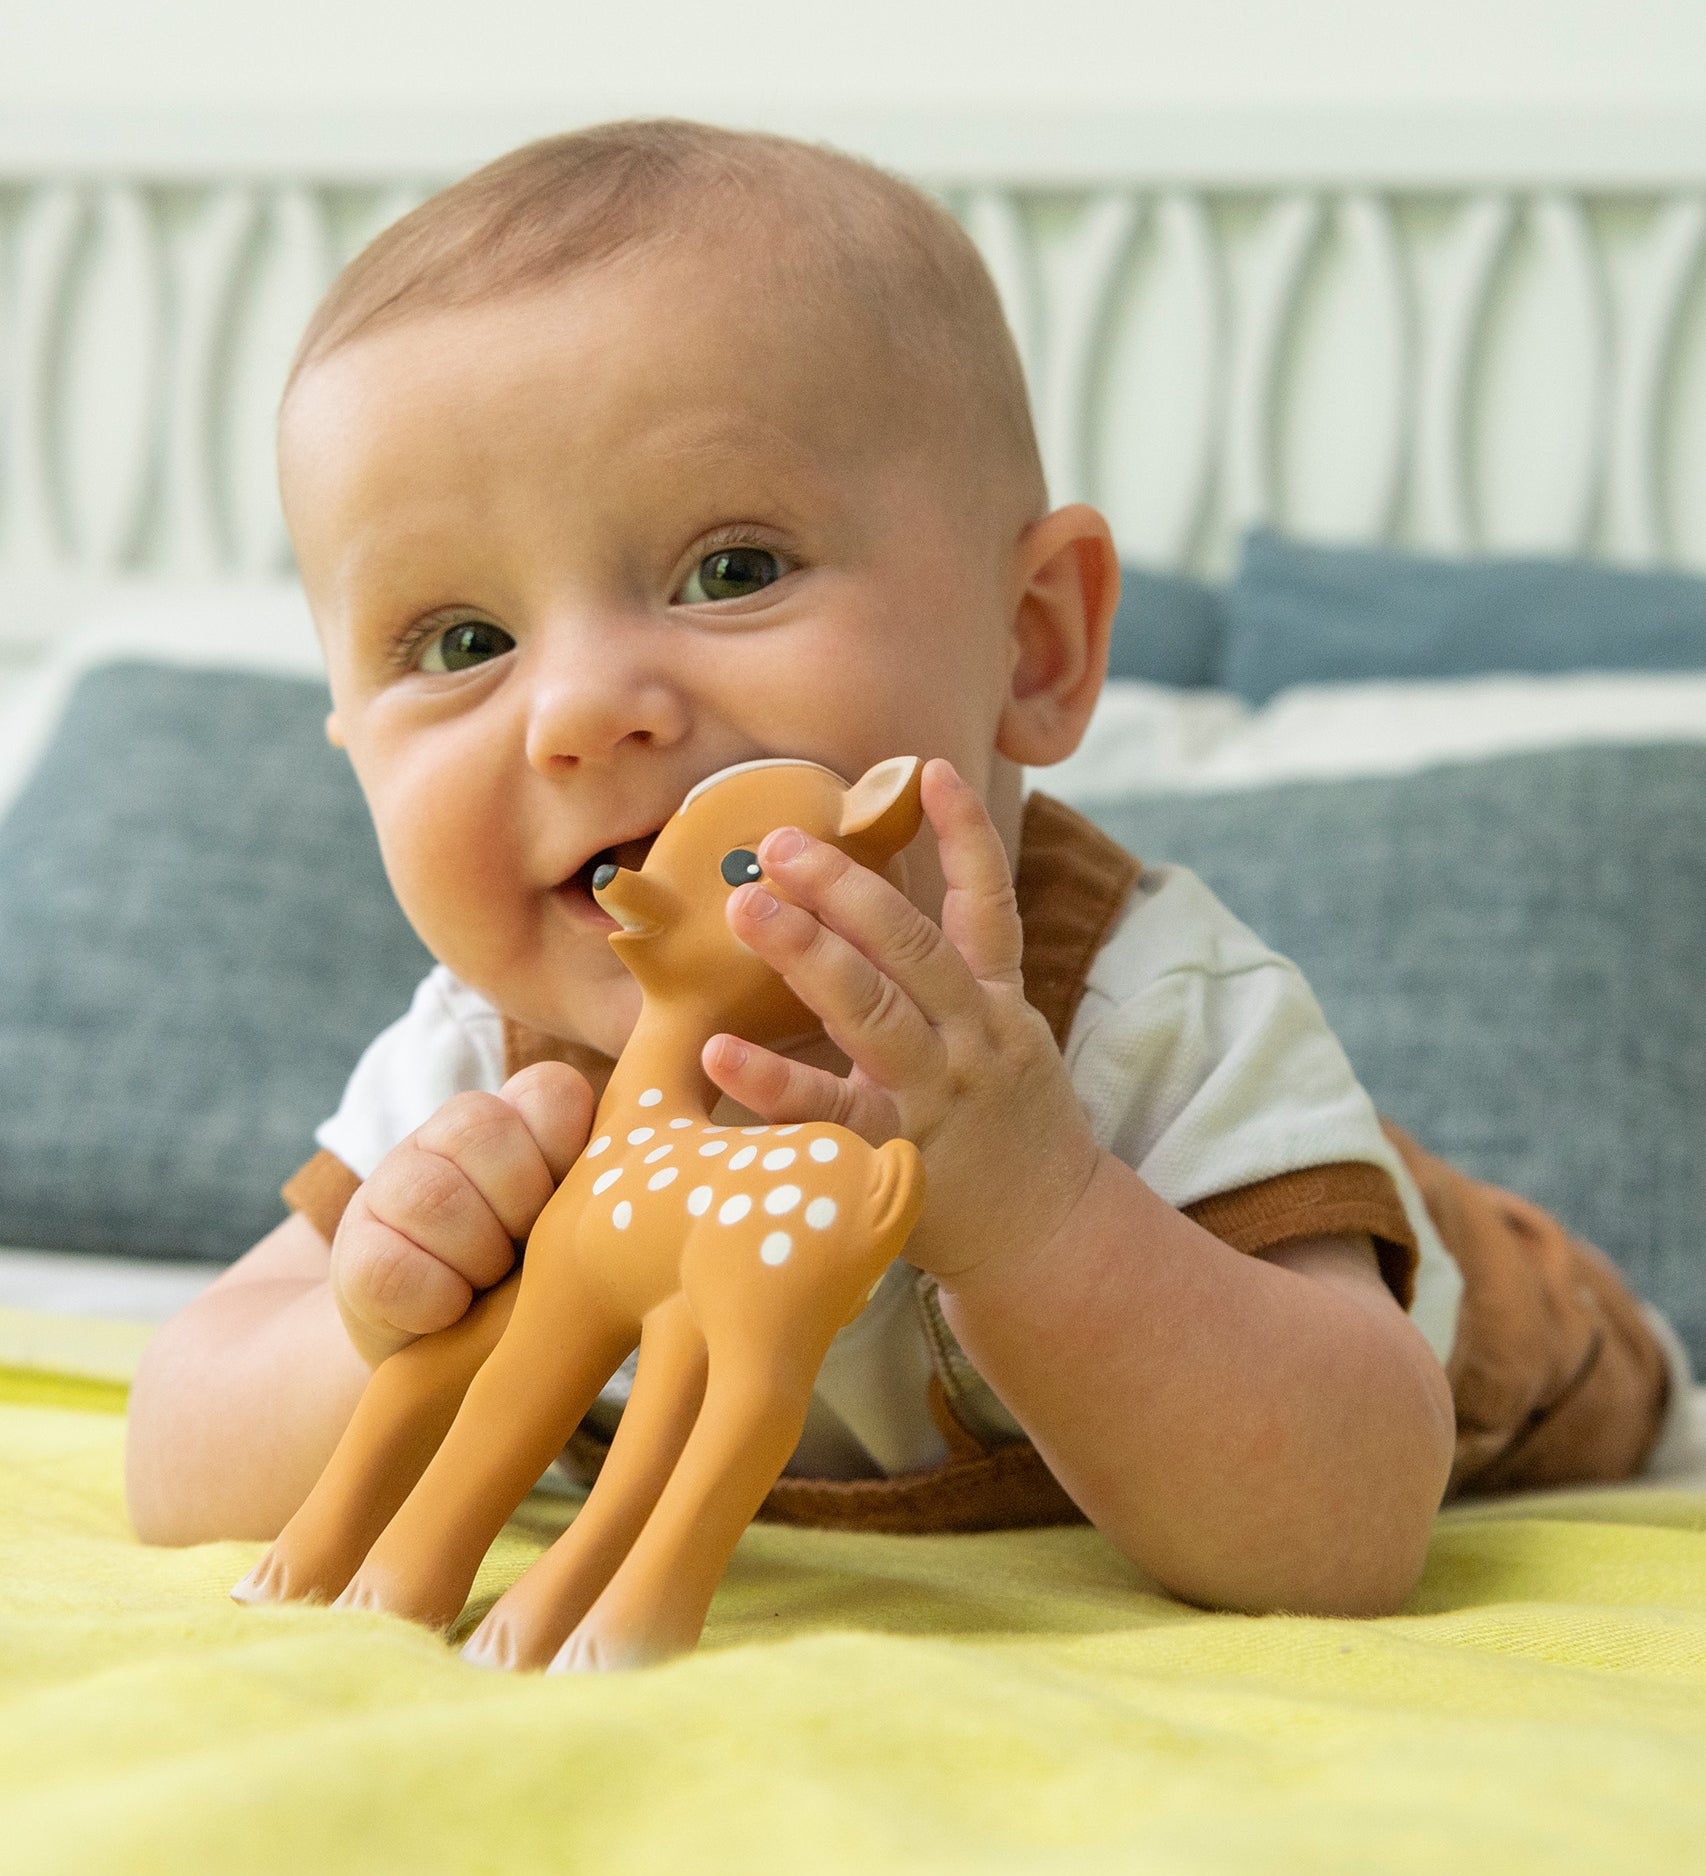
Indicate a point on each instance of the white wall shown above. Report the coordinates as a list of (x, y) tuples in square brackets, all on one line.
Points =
[(741, 58)]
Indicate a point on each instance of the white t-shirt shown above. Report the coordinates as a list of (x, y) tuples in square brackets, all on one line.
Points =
[(1200, 1055)]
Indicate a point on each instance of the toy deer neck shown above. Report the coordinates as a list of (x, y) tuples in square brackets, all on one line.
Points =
[(658, 1071)]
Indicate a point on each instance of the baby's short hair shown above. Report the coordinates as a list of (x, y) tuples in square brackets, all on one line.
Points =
[(825, 225)]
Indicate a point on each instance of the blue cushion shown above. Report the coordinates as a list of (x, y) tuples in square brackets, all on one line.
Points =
[(1512, 953), (198, 942), (1168, 629), (1301, 614)]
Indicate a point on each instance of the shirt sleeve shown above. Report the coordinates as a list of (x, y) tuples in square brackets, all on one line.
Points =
[(1206, 1064), (449, 1042)]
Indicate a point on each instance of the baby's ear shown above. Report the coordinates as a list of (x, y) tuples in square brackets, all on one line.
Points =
[(334, 730), (882, 811)]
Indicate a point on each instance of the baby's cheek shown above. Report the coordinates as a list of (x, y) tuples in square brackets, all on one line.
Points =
[(456, 880)]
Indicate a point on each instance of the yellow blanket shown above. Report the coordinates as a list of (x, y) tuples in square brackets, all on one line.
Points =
[(1010, 1702)]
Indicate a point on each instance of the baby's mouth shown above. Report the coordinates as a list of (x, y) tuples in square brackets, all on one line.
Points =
[(577, 888)]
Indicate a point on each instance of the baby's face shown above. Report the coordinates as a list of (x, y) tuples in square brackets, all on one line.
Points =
[(571, 553)]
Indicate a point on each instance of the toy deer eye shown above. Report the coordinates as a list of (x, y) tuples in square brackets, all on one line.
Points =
[(741, 868)]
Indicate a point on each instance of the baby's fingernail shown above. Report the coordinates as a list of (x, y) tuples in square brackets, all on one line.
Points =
[(757, 903), (734, 1054), (787, 843)]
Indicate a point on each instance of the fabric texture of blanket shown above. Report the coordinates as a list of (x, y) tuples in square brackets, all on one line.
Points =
[(1018, 1701)]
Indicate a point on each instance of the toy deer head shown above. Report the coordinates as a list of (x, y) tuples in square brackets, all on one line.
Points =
[(731, 1255), (675, 937)]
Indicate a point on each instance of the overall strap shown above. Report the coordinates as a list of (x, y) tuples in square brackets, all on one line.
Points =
[(1072, 885)]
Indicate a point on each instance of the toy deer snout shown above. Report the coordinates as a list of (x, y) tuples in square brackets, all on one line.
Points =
[(638, 901)]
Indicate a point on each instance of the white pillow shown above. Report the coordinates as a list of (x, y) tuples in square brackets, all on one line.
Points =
[(249, 626), (1145, 739)]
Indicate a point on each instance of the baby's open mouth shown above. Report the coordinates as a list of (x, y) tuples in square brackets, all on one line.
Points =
[(577, 888)]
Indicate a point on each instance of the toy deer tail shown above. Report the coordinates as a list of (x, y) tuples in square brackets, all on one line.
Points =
[(897, 1192)]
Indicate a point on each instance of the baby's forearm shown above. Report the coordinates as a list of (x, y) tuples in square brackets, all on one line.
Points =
[(236, 1406), (1252, 1437)]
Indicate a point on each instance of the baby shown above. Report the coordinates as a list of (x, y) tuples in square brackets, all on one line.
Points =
[(657, 448)]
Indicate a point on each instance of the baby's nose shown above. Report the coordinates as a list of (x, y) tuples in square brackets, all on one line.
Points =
[(589, 700)]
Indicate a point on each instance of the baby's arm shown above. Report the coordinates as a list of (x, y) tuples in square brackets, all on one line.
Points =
[(240, 1399), (1257, 1434)]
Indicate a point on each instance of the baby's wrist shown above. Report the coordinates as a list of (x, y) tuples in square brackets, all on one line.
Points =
[(1034, 1231)]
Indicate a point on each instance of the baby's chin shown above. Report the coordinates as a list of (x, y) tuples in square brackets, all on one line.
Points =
[(588, 999)]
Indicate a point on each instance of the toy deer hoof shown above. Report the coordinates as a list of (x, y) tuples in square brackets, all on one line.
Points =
[(597, 1654), (258, 1585), (484, 1650), (365, 1596), (273, 1580), (497, 1643)]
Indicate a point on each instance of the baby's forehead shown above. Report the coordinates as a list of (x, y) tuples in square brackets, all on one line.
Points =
[(730, 363)]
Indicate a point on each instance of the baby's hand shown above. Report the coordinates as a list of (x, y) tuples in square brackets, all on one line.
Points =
[(442, 1213), (944, 1047)]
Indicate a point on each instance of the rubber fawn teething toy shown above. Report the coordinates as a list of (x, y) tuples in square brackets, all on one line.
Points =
[(731, 1255)]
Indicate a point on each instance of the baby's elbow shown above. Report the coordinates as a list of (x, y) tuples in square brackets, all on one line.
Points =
[(1346, 1536), (1384, 1526), (1364, 1577), (1368, 1578)]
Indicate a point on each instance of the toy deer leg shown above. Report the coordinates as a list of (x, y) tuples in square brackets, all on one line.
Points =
[(765, 1352), (531, 1622), (562, 1344), (403, 1414), (656, 1603)]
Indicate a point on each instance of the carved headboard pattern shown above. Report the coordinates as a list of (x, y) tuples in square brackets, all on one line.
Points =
[(1444, 363)]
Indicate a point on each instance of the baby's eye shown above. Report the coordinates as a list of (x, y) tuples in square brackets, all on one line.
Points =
[(460, 647), (730, 573)]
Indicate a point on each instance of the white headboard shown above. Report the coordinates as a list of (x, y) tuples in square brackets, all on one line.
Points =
[(1444, 331)]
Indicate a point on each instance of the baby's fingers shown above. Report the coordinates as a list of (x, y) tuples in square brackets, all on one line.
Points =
[(980, 912), (865, 1013), (388, 1289), (778, 1090), (511, 1149)]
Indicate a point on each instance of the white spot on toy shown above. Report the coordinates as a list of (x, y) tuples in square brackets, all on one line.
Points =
[(733, 1210), (755, 1129), (651, 1097), (699, 1201), (744, 1157), (775, 1248), (640, 1135), (622, 1214), (660, 1152), (659, 1180), (721, 1127), (783, 1132), (778, 1157), (598, 1146), (681, 1121), (782, 1199), (606, 1180), (713, 1146), (820, 1214), (823, 1151)]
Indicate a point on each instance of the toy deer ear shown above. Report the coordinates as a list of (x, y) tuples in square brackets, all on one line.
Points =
[(881, 812)]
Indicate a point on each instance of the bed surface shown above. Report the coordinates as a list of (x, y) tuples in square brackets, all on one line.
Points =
[(1013, 1701)]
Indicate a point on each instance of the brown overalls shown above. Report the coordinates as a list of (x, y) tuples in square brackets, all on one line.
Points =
[(1556, 1375)]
